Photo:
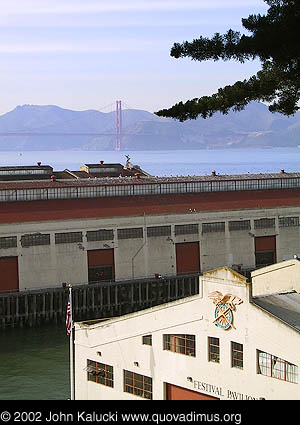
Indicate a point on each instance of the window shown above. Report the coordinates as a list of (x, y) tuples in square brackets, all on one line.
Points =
[(159, 231), (8, 242), (186, 229), (99, 235), (237, 355), (239, 225), (264, 223), (180, 343), (263, 259), (136, 384), (213, 349), (265, 250), (213, 227), (132, 233), (288, 221), (100, 373), (35, 240), (273, 366), (70, 237), (147, 340), (100, 273)]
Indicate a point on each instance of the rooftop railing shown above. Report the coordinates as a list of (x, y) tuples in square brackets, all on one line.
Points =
[(147, 186)]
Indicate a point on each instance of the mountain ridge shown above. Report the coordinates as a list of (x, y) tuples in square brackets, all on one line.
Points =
[(47, 127)]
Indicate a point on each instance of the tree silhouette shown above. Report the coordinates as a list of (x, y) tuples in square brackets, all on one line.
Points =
[(273, 41)]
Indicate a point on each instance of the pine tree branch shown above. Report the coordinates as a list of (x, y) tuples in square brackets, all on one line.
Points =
[(265, 86), (273, 41)]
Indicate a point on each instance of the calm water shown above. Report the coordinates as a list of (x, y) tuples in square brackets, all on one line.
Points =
[(34, 363), (161, 163)]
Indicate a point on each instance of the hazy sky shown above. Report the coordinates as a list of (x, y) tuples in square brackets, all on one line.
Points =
[(86, 54)]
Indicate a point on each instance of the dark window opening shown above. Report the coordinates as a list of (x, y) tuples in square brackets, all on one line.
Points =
[(264, 258), (100, 273), (147, 340)]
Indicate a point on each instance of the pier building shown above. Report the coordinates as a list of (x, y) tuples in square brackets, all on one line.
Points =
[(109, 222), (221, 344)]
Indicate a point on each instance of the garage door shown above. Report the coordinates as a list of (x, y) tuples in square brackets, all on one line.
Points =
[(101, 265), (9, 275), (265, 250), (174, 392), (187, 257)]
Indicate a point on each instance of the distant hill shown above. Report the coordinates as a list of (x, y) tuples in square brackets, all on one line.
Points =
[(93, 130)]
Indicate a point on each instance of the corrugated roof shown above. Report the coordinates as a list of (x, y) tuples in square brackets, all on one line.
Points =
[(285, 306), (104, 165), (143, 180), (25, 177), (25, 167)]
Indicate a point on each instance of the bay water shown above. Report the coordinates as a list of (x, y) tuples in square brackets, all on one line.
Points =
[(34, 362), (166, 163)]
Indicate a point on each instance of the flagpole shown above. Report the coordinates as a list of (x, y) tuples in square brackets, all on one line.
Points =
[(71, 347)]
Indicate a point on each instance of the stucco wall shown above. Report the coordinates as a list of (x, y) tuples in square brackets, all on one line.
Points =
[(43, 266), (281, 277)]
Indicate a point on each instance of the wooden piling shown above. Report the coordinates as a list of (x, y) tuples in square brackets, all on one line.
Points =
[(99, 300)]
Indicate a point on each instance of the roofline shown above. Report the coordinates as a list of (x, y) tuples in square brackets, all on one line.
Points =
[(234, 272), (274, 267), (12, 191), (146, 179), (96, 323), (252, 301), (105, 321)]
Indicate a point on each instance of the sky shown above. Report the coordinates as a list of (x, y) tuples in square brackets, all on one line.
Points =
[(86, 54)]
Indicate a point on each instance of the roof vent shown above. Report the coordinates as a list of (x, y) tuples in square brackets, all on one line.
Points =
[(39, 164), (282, 171), (213, 173), (101, 163)]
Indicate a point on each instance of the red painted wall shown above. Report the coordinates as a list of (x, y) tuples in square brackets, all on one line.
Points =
[(265, 243), (187, 257), (100, 257), (178, 393), (9, 275), (12, 212)]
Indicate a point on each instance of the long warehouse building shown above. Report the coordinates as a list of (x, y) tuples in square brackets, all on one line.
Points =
[(113, 222)]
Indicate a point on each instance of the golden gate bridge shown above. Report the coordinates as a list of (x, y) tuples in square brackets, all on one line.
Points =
[(118, 134)]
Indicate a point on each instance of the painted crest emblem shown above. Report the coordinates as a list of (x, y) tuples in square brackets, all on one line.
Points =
[(225, 305)]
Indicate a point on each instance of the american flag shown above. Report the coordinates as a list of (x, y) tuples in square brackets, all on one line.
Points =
[(68, 317)]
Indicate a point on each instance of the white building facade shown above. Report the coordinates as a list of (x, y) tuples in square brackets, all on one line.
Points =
[(219, 344)]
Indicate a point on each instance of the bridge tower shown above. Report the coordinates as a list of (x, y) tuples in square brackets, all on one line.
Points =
[(118, 124)]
